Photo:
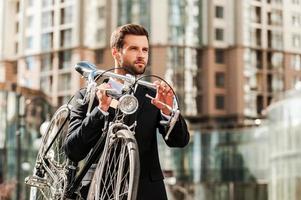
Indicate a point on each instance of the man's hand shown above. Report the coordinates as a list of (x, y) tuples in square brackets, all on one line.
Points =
[(164, 95), (103, 98)]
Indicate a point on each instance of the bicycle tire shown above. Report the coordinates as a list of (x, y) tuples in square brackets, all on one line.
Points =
[(49, 180), (117, 177)]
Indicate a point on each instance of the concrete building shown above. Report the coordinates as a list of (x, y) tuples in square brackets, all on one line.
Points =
[(227, 59)]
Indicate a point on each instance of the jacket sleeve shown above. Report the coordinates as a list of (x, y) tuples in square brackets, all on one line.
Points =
[(83, 131), (179, 136)]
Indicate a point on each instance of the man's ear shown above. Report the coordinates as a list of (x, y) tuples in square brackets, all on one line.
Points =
[(115, 53)]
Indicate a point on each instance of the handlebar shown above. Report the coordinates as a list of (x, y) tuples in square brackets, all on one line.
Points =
[(88, 70)]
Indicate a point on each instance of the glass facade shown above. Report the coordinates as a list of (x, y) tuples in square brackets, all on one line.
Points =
[(134, 11), (285, 151), (218, 165), (183, 54), (19, 115)]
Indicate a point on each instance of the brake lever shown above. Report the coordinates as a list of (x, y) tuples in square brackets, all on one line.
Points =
[(172, 120)]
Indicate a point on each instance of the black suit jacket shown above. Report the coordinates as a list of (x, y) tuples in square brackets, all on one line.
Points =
[(84, 132)]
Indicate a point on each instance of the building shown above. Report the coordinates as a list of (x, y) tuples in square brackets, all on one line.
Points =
[(226, 58)]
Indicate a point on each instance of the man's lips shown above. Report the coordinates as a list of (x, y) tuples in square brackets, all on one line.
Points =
[(140, 63)]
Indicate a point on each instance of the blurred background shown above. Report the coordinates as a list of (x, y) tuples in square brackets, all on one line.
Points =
[(235, 65)]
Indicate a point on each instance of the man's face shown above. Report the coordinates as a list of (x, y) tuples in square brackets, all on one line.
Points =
[(134, 54)]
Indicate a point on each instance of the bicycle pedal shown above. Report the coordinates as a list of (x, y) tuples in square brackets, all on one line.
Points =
[(36, 181)]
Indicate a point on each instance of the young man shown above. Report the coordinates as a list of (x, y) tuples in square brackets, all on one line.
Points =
[(130, 50)]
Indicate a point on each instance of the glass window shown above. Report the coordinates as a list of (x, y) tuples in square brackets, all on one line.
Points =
[(296, 19), (101, 12), (99, 54), (46, 3), (47, 39), (30, 22), (66, 15), (256, 14), (219, 56), (66, 37), (46, 62), (29, 61), (219, 12), (219, 34), (65, 59), (275, 17), (29, 42), (46, 84), (296, 40), (63, 99), (64, 82), (220, 79), (220, 102), (47, 19), (296, 62), (100, 35), (30, 3), (18, 7)]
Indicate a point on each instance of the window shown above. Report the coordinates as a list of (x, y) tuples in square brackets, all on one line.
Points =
[(46, 3), (46, 84), (219, 34), (256, 14), (64, 82), (296, 40), (18, 7), (275, 39), (66, 37), (296, 62), (30, 22), (101, 12), (220, 102), (65, 59), (17, 27), (63, 99), (219, 12), (99, 53), (29, 42), (47, 39), (274, 60), (47, 19), (66, 15), (29, 61), (275, 17), (220, 79), (100, 35), (30, 3), (219, 56), (296, 20), (46, 62)]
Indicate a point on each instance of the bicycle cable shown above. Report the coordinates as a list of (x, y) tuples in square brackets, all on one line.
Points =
[(158, 77)]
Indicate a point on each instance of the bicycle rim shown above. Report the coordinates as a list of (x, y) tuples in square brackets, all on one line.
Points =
[(118, 175), (51, 159)]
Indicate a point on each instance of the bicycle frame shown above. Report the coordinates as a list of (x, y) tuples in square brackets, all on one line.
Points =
[(74, 178)]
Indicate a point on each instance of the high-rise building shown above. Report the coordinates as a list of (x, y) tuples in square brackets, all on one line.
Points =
[(227, 59)]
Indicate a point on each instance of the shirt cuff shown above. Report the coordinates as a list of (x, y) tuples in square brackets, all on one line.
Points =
[(167, 117), (103, 112)]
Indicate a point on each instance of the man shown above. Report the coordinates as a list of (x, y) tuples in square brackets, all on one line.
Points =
[(130, 50)]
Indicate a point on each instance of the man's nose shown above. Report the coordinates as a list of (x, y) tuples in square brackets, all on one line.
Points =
[(141, 53)]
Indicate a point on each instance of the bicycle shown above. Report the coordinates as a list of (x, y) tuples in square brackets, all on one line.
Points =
[(117, 172)]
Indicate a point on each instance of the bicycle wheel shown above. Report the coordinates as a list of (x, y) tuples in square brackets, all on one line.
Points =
[(117, 173), (49, 180)]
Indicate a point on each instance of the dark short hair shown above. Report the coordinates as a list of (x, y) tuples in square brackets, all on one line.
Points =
[(117, 37)]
